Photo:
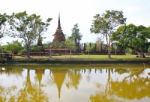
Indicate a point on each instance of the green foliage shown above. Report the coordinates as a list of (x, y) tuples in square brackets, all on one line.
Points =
[(76, 36), (57, 44), (100, 45), (15, 47), (70, 44), (3, 20), (90, 47), (42, 27), (149, 50), (76, 33), (27, 27), (106, 23), (46, 45), (133, 37), (36, 48)]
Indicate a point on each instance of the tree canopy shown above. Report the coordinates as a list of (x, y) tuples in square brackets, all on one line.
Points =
[(106, 24), (133, 37), (76, 36), (27, 27)]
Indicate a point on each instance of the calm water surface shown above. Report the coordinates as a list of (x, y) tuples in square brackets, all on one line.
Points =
[(100, 83)]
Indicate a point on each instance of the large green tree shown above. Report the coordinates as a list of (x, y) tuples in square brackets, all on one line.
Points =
[(26, 27), (133, 37), (106, 24), (76, 36)]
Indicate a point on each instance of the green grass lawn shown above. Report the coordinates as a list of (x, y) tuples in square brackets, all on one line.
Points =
[(85, 57), (99, 57)]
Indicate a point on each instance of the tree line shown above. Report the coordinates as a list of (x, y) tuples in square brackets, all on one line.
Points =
[(22, 25), (111, 25)]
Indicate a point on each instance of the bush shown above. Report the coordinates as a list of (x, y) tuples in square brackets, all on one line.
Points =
[(15, 47)]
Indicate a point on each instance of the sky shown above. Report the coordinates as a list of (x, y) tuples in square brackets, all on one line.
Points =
[(77, 11)]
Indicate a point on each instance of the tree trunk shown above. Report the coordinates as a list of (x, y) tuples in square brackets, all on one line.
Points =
[(108, 45), (109, 51), (28, 55), (28, 52), (70, 53), (141, 54)]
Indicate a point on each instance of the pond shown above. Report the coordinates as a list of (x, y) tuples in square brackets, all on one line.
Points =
[(75, 83)]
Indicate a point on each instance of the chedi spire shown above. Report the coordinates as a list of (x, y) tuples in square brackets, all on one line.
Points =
[(59, 35)]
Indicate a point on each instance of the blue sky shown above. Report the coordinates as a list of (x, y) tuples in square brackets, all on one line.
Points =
[(77, 11)]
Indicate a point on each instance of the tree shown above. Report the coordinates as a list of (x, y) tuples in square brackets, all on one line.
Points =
[(26, 27), (106, 24), (99, 45), (15, 47), (133, 37), (42, 27), (69, 43), (3, 19), (76, 36), (90, 47), (57, 44)]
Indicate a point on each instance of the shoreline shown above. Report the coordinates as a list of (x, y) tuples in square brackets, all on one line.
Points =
[(76, 62)]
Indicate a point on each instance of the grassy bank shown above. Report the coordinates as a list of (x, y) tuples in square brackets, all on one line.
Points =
[(79, 59), (83, 58)]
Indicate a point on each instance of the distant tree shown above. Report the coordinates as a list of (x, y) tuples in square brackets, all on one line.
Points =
[(57, 44), (99, 45), (42, 27), (133, 37), (76, 36), (90, 47), (106, 24), (84, 47), (15, 47), (70, 44), (26, 27)]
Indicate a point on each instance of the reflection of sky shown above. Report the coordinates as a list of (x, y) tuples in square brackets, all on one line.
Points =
[(91, 82), (146, 73)]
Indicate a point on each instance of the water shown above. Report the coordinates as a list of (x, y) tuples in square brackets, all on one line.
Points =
[(75, 83)]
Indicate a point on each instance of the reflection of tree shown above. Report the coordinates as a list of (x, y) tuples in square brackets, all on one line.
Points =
[(135, 87), (11, 70), (100, 98), (134, 73), (6, 94), (106, 95), (108, 84), (31, 93), (74, 78), (88, 76), (138, 88), (58, 77)]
